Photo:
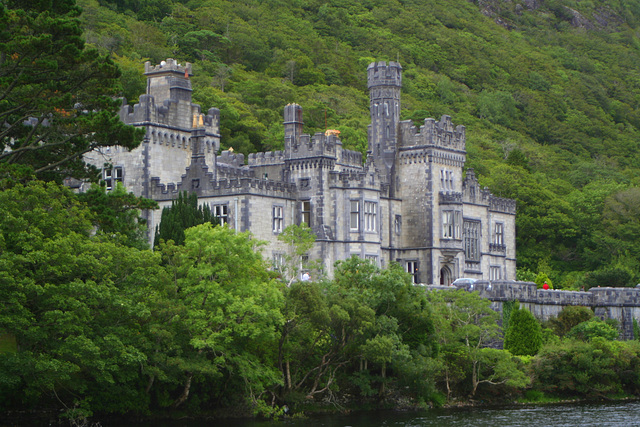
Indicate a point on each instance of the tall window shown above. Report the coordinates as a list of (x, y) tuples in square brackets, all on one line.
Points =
[(278, 261), (472, 240), (398, 224), (446, 179), (451, 224), (354, 223), (221, 212), (278, 219), (112, 176), (372, 259), (411, 267), (370, 213), (495, 272), (498, 233), (305, 212)]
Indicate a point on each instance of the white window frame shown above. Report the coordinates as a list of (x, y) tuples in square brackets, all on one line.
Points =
[(305, 212), (221, 211), (451, 220), (495, 272), (498, 233), (112, 176), (412, 268), (354, 216), (373, 259), (370, 216), (278, 261), (447, 224), (277, 218)]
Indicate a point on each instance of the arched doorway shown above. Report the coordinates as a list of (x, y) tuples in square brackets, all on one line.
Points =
[(445, 276)]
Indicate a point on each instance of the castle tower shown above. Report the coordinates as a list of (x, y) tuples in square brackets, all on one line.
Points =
[(168, 80), (384, 82), (293, 125)]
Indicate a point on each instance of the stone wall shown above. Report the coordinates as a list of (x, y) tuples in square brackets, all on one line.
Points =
[(621, 304)]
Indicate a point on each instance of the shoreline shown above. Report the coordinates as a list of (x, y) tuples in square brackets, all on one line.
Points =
[(38, 418)]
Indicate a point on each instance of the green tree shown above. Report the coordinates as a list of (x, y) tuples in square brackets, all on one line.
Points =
[(183, 213), (569, 317), (592, 328), (75, 304), (589, 369), (57, 98), (299, 240), (523, 337), (465, 326), (231, 313), (116, 214)]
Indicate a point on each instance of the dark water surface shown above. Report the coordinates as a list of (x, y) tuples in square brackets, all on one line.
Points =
[(567, 415)]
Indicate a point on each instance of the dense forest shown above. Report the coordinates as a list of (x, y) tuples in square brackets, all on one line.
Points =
[(548, 91), (94, 322)]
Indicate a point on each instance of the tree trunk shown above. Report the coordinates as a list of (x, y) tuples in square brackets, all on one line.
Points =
[(150, 383), (287, 368), (384, 375), (185, 392)]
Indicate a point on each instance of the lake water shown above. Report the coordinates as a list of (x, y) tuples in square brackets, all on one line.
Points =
[(624, 414), (566, 415)]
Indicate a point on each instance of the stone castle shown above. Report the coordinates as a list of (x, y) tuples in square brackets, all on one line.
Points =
[(409, 202)]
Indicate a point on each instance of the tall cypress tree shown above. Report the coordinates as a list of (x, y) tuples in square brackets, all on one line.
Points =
[(184, 213), (524, 334)]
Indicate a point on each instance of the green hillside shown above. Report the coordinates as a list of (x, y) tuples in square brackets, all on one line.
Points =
[(548, 91)]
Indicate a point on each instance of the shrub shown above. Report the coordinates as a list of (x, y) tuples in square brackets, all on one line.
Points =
[(524, 335)]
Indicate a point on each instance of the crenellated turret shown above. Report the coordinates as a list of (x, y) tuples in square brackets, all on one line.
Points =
[(293, 124), (168, 80), (384, 82), (441, 134)]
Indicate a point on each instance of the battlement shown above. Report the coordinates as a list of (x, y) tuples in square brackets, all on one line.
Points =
[(499, 204), (171, 118), (229, 171), (450, 197), (230, 158), (348, 157), (441, 134), (381, 74), (320, 145), (170, 66), (229, 187), (527, 292), (348, 179), (268, 158)]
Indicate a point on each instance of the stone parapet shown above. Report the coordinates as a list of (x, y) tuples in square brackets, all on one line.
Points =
[(306, 146), (499, 204), (620, 304), (441, 134), (383, 74), (232, 159), (449, 197), (268, 158), (168, 66), (226, 187)]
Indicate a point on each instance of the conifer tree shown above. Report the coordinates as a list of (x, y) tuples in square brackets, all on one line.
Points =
[(524, 335), (58, 98), (184, 213)]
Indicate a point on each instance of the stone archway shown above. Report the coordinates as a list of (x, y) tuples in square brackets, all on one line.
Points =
[(445, 276)]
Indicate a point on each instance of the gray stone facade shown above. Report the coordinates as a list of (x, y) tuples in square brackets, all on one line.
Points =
[(410, 202)]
